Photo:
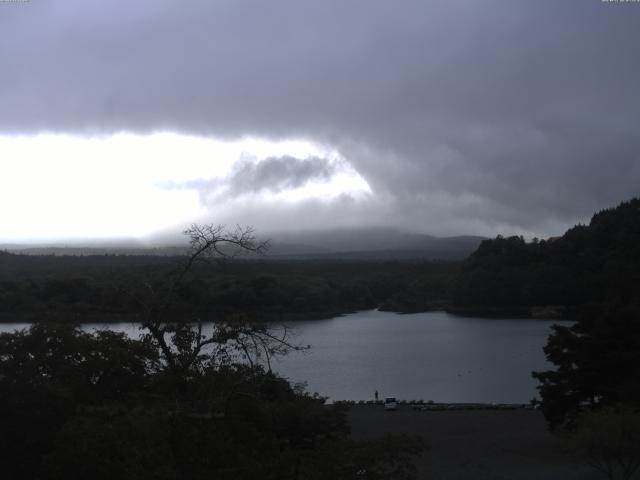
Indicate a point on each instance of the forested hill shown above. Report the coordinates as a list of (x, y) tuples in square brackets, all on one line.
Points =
[(590, 264), (110, 287)]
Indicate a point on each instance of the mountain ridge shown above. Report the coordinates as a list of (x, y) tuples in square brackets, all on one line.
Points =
[(369, 243)]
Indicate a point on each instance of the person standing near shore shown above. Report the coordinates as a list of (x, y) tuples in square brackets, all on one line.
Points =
[(376, 395)]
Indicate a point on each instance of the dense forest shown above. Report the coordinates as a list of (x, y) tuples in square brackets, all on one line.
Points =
[(106, 286), (589, 265)]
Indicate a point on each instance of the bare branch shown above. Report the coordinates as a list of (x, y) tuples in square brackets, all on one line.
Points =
[(186, 347)]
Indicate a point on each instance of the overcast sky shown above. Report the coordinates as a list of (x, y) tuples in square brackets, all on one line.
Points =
[(125, 118)]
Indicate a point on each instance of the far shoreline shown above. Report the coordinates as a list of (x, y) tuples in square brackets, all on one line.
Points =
[(540, 313)]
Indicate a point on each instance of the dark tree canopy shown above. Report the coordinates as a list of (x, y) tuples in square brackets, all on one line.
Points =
[(178, 403), (81, 405), (597, 364), (588, 265)]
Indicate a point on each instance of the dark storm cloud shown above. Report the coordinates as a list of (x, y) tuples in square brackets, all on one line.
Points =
[(486, 115), (275, 174), (270, 175)]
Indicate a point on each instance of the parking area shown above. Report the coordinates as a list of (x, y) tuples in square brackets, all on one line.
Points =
[(511, 444)]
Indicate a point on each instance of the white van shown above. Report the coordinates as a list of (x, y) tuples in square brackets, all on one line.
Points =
[(390, 403)]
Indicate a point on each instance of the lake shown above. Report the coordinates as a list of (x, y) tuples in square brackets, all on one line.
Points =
[(429, 356)]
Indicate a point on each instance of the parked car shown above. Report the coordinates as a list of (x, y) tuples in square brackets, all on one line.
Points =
[(390, 403)]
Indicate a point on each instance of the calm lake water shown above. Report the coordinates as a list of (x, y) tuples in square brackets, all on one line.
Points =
[(429, 356)]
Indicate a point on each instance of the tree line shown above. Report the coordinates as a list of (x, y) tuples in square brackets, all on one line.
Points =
[(589, 265), (86, 288)]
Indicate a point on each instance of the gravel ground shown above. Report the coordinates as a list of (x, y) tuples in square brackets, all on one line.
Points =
[(477, 444)]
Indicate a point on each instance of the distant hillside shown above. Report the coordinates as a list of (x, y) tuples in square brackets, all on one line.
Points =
[(88, 250), (350, 244), (590, 264), (372, 243)]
